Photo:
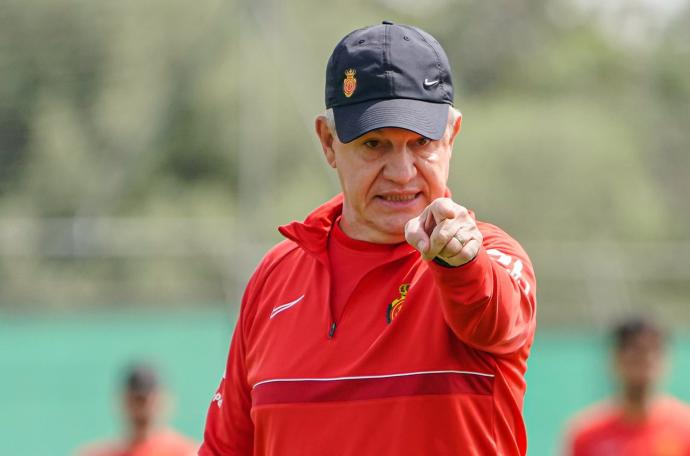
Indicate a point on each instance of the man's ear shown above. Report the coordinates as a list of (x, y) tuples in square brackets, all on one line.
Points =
[(457, 125), (326, 138)]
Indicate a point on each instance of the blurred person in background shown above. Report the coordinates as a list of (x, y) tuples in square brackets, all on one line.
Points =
[(639, 420), (144, 406), (351, 341)]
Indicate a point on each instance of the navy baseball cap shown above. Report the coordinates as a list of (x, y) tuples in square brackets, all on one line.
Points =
[(389, 75)]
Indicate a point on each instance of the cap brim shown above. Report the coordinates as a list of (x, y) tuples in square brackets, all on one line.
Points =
[(423, 117)]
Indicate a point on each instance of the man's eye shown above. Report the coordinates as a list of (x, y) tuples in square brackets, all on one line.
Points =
[(423, 141), (372, 143)]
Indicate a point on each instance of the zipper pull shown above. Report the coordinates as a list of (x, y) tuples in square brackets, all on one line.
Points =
[(331, 331)]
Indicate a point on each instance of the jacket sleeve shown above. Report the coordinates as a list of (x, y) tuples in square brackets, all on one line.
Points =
[(490, 302), (229, 429)]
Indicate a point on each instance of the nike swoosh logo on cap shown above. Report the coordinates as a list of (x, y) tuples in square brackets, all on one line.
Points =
[(428, 83), (278, 309)]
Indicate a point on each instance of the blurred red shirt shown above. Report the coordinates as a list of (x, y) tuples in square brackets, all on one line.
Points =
[(161, 443), (603, 431)]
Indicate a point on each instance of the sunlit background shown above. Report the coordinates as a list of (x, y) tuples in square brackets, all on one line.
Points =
[(149, 149)]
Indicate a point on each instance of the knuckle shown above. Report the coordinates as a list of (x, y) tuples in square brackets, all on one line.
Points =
[(478, 236), (445, 233), (436, 243)]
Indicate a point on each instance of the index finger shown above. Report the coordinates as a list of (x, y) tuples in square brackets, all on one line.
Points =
[(443, 208)]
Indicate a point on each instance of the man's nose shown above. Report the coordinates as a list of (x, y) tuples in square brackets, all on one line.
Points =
[(400, 167)]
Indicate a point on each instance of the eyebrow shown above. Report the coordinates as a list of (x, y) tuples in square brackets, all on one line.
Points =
[(380, 131)]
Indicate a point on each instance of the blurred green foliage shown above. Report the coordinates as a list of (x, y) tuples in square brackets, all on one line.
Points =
[(572, 131)]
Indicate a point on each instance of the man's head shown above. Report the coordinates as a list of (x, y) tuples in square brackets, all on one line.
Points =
[(389, 127), (638, 346), (142, 397)]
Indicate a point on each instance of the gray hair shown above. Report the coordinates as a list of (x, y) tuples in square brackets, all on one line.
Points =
[(330, 121), (453, 115)]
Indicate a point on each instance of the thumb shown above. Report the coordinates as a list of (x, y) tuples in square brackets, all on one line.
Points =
[(416, 236)]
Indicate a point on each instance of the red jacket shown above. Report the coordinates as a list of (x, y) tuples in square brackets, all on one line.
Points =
[(445, 376)]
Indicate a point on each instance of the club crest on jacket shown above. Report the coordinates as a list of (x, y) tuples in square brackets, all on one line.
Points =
[(396, 305)]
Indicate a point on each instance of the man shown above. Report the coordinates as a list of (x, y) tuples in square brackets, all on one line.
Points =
[(637, 421), (143, 404), (390, 321)]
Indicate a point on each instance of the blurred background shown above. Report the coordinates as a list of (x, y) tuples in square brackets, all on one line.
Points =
[(149, 149)]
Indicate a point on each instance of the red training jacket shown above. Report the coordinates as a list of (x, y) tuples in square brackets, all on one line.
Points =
[(445, 376)]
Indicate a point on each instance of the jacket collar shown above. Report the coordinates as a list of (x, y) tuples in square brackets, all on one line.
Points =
[(312, 234)]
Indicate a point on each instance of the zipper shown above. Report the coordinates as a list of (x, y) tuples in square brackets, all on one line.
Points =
[(334, 319), (324, 259), (331, 312)]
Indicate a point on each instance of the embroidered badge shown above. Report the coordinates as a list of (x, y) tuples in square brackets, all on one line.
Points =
[(396, 305), (349, 83)]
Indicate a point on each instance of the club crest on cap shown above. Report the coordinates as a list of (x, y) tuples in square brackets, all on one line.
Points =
[(349, 83)]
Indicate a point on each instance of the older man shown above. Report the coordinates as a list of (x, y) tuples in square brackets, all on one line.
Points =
[(351, 341)]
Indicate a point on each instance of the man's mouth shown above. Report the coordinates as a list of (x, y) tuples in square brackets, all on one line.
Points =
[(399, 197)]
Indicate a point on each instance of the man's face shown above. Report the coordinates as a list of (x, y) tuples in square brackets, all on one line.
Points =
[(142, 409), (388, 176), (639, 364)]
